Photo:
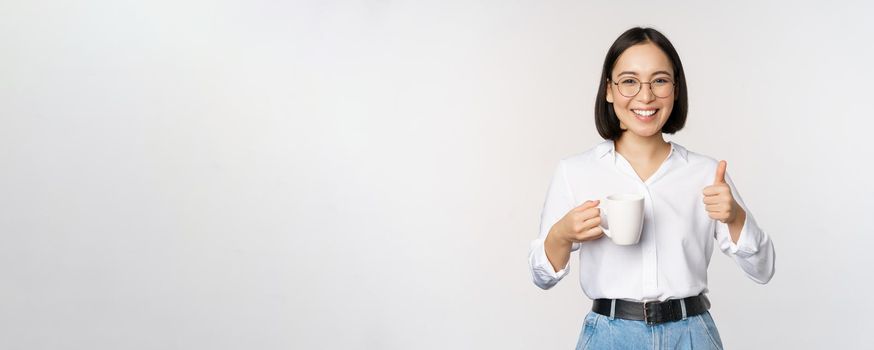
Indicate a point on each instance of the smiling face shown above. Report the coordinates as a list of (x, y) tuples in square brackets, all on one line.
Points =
[(643, 114)]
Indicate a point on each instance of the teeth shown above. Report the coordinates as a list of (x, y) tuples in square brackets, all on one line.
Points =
[(643, 113)]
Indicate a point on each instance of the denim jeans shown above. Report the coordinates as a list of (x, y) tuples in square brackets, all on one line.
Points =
[(602, 333)]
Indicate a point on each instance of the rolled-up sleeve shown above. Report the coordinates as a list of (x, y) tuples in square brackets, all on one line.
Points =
[(754, 250), (559, 200)]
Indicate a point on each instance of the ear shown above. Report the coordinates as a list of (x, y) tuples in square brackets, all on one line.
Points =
[(609, 92)]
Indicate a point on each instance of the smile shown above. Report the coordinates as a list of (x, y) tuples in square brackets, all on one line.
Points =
[(644, 113)]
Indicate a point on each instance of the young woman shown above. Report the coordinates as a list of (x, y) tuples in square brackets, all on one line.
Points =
[(650, 295)]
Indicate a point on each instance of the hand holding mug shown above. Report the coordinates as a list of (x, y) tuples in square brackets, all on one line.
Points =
[(718, 201), (580, 224)]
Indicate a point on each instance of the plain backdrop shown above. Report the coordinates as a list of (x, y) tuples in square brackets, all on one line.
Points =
[(369, 174)]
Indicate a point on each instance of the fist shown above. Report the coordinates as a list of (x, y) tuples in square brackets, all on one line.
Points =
[(582, 223), (718, 201)]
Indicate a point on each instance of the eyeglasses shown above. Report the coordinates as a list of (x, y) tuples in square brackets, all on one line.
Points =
[(630, 87)]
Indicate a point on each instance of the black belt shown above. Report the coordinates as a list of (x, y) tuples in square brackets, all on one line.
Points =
[(653, 312)]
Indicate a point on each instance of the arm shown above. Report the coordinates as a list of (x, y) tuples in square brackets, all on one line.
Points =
[(736, 232), (562, 228), (736, 226), (547, 272), (557, 250)]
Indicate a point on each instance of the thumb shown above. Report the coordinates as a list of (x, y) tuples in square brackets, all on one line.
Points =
[(720, 172)]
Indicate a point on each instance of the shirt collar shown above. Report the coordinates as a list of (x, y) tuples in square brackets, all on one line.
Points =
[(680, 150), (608, 147), (603, 148)]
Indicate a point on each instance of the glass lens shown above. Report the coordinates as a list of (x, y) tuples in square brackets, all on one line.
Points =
[(629, 87), (662, 87)]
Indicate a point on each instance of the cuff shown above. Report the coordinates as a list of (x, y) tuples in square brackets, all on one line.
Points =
[(747, 243), (544, 275)]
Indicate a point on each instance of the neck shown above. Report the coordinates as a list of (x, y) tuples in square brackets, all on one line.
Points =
[(632, 146)]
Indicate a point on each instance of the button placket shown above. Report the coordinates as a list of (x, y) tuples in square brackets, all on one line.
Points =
[(649, 254)]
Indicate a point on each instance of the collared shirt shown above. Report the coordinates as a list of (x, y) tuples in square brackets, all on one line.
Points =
[(678, 235)]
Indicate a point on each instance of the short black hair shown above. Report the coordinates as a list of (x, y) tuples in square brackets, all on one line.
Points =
[(605, 117)]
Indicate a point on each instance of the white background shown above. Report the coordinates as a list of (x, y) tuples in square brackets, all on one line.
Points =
[(369, 174)]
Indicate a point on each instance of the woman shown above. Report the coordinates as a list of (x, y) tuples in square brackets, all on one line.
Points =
[(650, 295)]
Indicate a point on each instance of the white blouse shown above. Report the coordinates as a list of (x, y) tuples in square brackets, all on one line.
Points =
[(677, 239)]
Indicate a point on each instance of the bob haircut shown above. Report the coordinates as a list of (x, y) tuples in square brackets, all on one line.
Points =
[(605, 117)]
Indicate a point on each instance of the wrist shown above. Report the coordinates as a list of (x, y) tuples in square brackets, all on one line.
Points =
[(554, 238), (739, 218)]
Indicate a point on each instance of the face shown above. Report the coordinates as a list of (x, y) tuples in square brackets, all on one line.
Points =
[(645, 113)]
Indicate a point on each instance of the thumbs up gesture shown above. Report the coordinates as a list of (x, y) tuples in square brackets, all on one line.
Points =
[(718, 201)]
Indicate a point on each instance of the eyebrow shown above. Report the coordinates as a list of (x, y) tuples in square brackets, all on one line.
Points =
[(654, 73)]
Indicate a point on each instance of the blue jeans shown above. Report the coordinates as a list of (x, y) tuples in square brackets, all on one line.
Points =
[(695, 332)]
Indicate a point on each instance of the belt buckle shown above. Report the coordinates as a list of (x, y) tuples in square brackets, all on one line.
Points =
[(652, 318)]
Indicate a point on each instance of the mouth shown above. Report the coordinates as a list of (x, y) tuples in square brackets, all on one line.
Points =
[(645, 114)]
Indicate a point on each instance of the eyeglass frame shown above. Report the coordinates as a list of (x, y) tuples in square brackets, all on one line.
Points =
[(640, 86)]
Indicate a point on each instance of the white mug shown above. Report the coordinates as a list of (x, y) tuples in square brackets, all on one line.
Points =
[(625, 216)]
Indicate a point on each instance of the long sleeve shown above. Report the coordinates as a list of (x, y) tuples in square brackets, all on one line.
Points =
[(754, 251), (559, 201)]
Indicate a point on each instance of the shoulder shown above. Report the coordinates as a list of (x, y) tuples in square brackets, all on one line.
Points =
[(588, 156), (696, 159)]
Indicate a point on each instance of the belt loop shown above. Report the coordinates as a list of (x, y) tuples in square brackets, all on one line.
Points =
[(612, 309), (683, 306)]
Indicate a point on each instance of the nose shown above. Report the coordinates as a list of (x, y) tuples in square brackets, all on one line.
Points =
[(645, 94)]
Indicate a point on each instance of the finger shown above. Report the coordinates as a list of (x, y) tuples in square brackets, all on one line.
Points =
[(591, 223), (715, 216), (720, 172), (588, 205), (715, 208), (716, 213), (712, 200), (710, 191), (591, 213), (721, 217), (593, 234), (715, 190)]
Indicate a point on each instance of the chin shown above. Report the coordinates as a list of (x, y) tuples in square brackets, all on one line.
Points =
[(644, 133)]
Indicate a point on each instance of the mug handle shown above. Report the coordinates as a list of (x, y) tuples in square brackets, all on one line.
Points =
[(606, 231)]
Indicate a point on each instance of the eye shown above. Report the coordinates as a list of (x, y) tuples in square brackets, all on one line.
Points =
[(628, 81), (662, 81)]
